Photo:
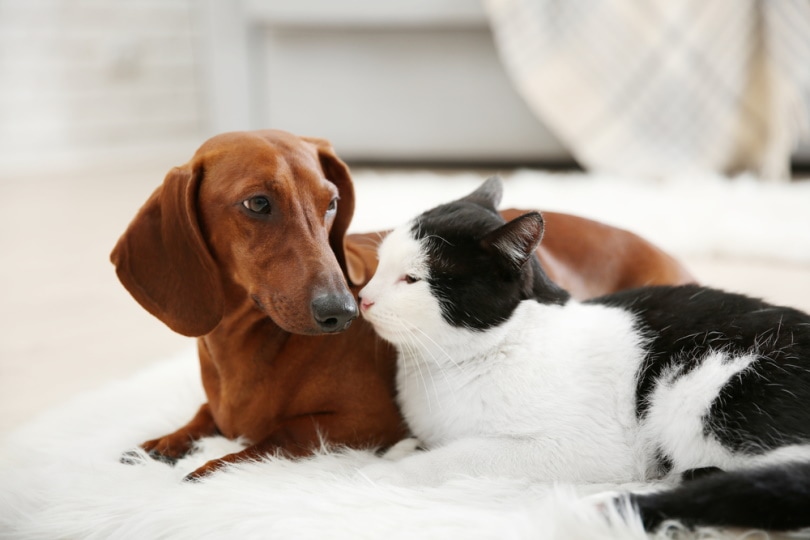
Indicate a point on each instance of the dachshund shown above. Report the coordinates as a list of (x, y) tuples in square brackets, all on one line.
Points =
[(245, 248)]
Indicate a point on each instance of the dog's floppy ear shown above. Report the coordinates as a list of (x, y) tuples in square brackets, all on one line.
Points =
[(337, 172), (163, 261)]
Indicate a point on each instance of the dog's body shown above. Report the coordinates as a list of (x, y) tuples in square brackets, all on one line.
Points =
[(244, 248)]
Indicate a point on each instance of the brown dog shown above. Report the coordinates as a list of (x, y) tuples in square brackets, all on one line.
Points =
[(245, 247)]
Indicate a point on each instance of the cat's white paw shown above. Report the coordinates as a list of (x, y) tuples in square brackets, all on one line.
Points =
[(613, 506), (604, 500), (402, 449), (385, 472), (415, 469)]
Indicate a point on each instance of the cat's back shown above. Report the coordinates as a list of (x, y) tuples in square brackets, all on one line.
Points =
[(687, 323), (719, 363), (668, 302), (686, 318)]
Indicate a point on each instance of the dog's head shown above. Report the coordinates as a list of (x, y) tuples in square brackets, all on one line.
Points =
[(259, 215)]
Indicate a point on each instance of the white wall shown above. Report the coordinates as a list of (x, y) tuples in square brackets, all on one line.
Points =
[(395, 80), (93, 82), (83, 80)]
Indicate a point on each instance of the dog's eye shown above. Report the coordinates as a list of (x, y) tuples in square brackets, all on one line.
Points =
[(409, 279), (332, 206), (257, 205)]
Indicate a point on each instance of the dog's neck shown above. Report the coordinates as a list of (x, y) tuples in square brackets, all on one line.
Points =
[(246, 326), (234, 359)]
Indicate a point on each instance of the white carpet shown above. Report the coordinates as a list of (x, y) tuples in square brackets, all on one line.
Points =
[(60, 476)]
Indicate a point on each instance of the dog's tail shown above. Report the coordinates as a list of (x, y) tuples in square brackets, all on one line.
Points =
[(775, 497)]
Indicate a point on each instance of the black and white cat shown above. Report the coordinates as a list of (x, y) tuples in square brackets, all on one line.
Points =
[(501, 372)]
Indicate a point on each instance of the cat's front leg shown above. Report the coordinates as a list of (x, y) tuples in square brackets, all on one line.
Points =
[(473, 457)]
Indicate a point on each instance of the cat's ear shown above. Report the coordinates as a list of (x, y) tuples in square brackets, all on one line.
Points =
[(488, 194), (516, 241)]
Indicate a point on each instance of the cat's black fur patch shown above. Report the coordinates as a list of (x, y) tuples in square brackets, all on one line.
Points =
[(474, 288), (763, 407)]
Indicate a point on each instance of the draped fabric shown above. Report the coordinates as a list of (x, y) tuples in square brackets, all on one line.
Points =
[(660, 87)]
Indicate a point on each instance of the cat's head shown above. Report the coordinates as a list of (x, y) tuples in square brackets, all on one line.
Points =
[(457, 266)]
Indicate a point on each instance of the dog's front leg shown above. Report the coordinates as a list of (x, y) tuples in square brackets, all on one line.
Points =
[(251, 453), (174, 446), (303, 435)]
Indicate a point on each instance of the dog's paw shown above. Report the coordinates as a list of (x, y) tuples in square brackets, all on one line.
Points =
[(169, 449), (194, 477), (163, 458), (206, 470), (139, 456), (133, 457)]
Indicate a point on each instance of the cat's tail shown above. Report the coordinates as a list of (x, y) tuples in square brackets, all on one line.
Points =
[(775, 497)]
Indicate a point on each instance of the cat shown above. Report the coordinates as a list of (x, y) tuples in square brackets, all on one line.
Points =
[(501, 372)]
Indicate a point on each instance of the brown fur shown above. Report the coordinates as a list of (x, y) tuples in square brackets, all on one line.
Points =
[(245, 285)]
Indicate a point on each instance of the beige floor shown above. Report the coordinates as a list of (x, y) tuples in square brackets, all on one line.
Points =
[(68, 326)]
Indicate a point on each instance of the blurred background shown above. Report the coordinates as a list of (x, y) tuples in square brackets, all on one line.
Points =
[(689, 112)]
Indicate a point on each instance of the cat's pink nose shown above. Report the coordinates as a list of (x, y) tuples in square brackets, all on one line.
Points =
[(365, 304)]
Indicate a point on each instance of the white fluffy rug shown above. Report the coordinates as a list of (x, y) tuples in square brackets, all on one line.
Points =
[(60, 476)]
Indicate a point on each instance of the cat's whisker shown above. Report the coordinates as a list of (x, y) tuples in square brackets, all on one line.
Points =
[(436, 236), (414, 346), (418, 346), (439, 347), (430, 370), (436, 362), (407, 344)]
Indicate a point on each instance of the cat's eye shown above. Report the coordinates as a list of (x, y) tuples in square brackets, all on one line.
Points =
[(409, 279), (257, 205)]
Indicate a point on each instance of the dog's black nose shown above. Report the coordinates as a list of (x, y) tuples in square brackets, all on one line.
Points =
[(334, 312)]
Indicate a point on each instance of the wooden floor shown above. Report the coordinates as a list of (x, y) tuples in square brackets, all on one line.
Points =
[(68, 326)]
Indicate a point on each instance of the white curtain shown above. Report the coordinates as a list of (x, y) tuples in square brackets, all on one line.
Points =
[(659, 87)]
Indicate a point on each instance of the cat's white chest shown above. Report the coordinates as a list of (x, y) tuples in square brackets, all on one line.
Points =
[(541, 380), (441, 405)]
